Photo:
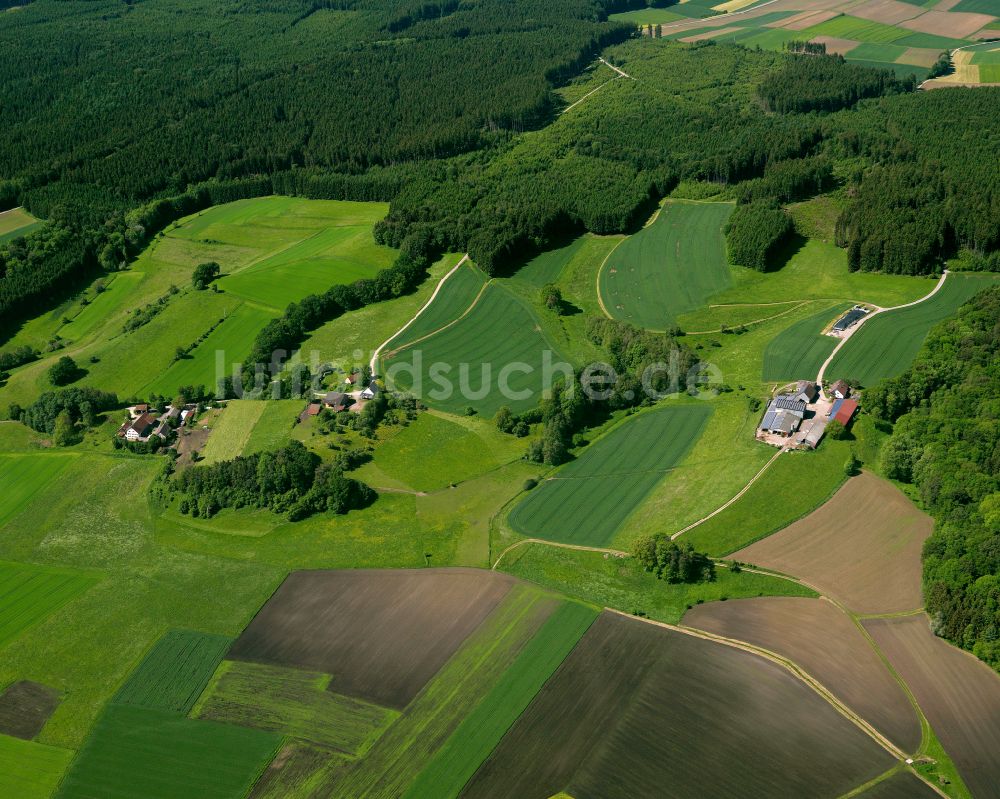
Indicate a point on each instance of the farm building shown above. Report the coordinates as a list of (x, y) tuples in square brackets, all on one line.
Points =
[(840, 389), (351, 379), (783, 416), (849, 319), (805, 391), (815, 433), (843, 411), (312, 409), (370, 392), (336, 401), (139, 429)]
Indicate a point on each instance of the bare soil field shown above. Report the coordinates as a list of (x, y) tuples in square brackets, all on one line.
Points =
[(888, 11), (804, 20), (827, 644), (381, 633), (635, 708), (903, 785), (861, 547), (25, 707), (835, 45), (959, 694), (956, 24)]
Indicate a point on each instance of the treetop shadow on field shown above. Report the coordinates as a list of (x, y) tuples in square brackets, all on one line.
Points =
[(784, 253)]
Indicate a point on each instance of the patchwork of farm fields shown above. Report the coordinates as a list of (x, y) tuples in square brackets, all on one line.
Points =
[(587, 500), (494, 356), (886, 344), (862, 547), (630, 696), (670, 267)]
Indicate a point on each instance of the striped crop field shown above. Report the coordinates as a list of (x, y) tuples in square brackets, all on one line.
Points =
[(175, 672), (587, 500), (798, 351), (887, 344), (29, 593)]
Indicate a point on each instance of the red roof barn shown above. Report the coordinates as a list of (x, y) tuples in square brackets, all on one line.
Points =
[(846, 412)]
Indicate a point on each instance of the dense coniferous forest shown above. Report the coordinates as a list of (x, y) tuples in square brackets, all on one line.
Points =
[(947, 443)]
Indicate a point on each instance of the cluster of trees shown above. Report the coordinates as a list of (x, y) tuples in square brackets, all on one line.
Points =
[(290, 480), (946, 442), (806, 47), (204, 274), (826, 83), (64, 371), (675, 563), (146, 314), (75, 405), (755, 232), (18, 356), (785, 181)]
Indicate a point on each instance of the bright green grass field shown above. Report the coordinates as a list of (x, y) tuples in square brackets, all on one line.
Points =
[(798, 352), (231, 433), (293, 702), (30, 593), (340, 254), (547, 266), (274, 426), (433, 452), (887, 344), (589, 498), (622, 584), (988, 55), (795, 484), (30, 770), (155, 754), (231, 341), (22, 476), (175, 672), (499, 343), (989, 73), (456, 296), (482, 729), (669, 267)]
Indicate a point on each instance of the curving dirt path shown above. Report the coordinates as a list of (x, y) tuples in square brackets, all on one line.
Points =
[(858, 326), (374, 361)]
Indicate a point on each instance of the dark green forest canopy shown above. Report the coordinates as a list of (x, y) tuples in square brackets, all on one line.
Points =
[(947, 443), (146, 97)]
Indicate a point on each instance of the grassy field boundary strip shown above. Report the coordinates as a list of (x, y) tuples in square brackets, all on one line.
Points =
[(373, 364), (731, 501), (752, 321), (480, 731), (616, 552), (792, 668), (850, 334)]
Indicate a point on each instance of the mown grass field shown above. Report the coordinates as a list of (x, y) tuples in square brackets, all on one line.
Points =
[(467, 364), (795, 484), (17, 222), (587, 500), (30, 593), (175, 672), (29, 770), (433, 452), (23, 476), (158, 754), (481, 730), (230, 435), (798, 352), (274, 426), (622, 584), (231, 341), (294, 703), (669, 267), (888, 343)]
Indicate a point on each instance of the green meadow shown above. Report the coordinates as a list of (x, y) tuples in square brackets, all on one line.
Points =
[(29, 593), (29, 770), (670, 267), (886, 344), (586, 501), (620, 583), (22, 476), (231, 433)]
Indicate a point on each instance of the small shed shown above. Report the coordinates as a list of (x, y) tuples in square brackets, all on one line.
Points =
[(312, 409), (840, 389)]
